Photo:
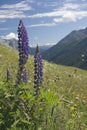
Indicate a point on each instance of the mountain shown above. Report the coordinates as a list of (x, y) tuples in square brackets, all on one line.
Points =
[(70, 51), (14, 44)]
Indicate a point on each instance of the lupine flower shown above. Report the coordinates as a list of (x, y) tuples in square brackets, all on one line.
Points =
[(22, 43), (38, 67), (23, 53)]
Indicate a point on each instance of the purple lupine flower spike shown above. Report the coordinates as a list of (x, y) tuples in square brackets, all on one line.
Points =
[(38, 67), (23, 53)]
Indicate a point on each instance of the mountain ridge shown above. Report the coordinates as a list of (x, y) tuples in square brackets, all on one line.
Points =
[(69, 50), (14, 44)]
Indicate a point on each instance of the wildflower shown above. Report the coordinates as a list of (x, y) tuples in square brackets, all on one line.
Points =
[(22, 75), (37, 70), (73, 108), (22, 43), (73, 115)]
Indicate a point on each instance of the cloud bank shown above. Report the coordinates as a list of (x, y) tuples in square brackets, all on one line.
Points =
[(67, 12), (11, 11), (10, 36)]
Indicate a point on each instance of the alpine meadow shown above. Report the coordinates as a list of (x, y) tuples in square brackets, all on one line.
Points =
[(38, 95)]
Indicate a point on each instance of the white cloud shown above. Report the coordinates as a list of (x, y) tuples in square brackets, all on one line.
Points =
[(43, 25), (30, 1), (50, 43), (67, 13), (58, 20), (23, 6), (14, 10), (71, 16), (10, 36), (4, 14), (47, 14), (47, 4), (70, 6), (43, 44)]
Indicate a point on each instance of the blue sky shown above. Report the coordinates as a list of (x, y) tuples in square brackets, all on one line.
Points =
[(46, 21)]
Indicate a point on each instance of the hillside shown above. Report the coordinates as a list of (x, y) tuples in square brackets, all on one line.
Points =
[(64, 96), (14, 44), (9, 59), (70, 51), (56, 75)]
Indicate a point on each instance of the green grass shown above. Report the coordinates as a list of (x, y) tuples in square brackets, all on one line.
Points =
[(69, 84)]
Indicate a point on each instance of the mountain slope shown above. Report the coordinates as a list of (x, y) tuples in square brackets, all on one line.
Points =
[(63, 99), (14, 44), (70, 50), (52, 73)]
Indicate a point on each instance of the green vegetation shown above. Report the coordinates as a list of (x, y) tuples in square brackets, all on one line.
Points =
[(61, 104)]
